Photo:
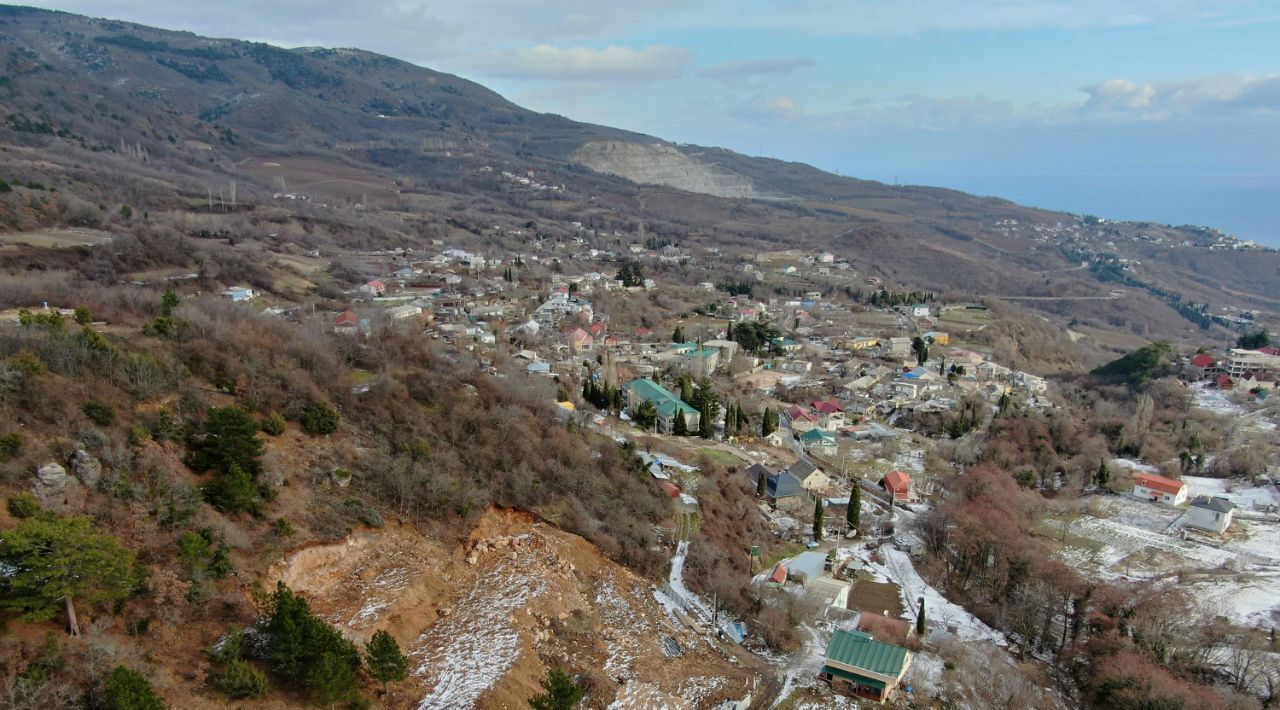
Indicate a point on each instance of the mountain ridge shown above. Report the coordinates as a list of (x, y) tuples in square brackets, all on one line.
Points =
[(209, 105)]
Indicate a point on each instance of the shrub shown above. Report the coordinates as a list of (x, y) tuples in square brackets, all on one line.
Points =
[(274, 424), (282, 527), (24, 505), (233, 491), (319, 419), (10, 446), (240, 680), (100, 412), (138, 435), (127, 690)]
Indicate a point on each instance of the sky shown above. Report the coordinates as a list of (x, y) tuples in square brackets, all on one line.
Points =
[(1162, 110)]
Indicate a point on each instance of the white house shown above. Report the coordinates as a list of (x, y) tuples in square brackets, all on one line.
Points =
[(237, 294), (1159, 489), (1213, 514)]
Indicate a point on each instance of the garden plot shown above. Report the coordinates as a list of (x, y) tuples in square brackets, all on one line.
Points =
[(1131, 541), (1249, 498)]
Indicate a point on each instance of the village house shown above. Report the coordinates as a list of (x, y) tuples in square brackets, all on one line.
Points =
[(811, 477), (830, 413), (782, 489), (580, 340), (1263, 365), (820, 443), (346, 323), (1201, 367), (862, 667), (1159, 489), (1213, 514), (408, 310), (896, 347), (801, 419), (898, 485), (374, 288), (663, 400), (239, 294)]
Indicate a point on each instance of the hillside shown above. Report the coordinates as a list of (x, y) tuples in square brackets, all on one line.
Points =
[(195, 110)]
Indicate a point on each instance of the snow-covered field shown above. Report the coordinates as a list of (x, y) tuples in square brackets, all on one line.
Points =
[(1237, 576), (1247, 497)]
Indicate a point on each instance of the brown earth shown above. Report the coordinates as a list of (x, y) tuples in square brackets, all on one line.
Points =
[(484, 621)]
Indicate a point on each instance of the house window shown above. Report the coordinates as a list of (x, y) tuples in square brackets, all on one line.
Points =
[(1217, 516)]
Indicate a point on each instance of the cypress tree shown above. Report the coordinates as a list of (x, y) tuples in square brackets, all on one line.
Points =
[(679, 427), (853, 515), (920, 620), (761, 482), (818, 514)]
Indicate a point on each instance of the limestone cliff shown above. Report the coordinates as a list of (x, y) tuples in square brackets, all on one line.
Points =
[(663, 164)]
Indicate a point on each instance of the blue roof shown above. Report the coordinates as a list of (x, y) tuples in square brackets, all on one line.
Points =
[(784, 485)]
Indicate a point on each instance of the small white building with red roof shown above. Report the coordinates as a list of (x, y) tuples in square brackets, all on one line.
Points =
[(1159, 489)]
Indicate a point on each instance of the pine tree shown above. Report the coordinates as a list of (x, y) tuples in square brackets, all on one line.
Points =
[(561, 692), (1103, 475), (677, 336), (230, 439), (818, 513), (168, 302), (51, 562), (853, 515), (385, 661)]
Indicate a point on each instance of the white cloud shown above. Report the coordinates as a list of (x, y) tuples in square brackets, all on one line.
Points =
[(613, 63), (1197, 96), (739, 73), (876, 17)]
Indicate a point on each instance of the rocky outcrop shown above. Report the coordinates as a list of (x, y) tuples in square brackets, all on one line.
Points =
[(87, 468), (661, 164), (55, 488)]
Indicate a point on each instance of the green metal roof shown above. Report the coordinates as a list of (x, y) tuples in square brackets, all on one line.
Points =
[(860, 679), (662, 398), (858, 649), (813, 435)]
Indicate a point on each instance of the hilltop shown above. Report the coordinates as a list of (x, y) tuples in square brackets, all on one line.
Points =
[(155, 108)]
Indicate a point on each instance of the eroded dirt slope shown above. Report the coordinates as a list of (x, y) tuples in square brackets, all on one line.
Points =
[(482, 622)]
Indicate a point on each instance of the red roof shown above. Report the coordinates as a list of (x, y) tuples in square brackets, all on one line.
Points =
[(779, 574), (830, 406), (1160, 483), (796, 412), (376, 284), (346, 318), (1203, 360), (898, 482), (669, 488), (1224, 381), (1269, 350)]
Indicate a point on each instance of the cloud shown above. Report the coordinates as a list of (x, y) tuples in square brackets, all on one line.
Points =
[(1119, 95), (1238, 94), (738, 73), (876, 17), (613, 63)]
